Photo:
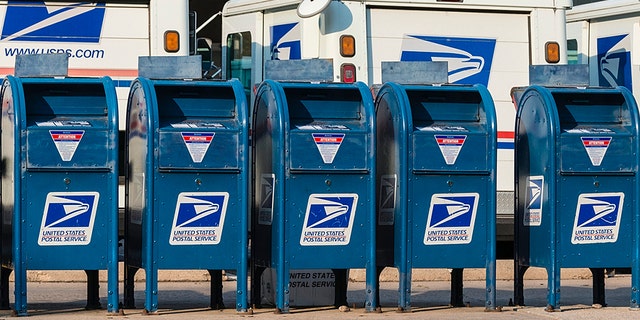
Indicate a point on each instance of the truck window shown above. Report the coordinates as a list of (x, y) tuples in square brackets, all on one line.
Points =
[(239, 59), (572, 51)]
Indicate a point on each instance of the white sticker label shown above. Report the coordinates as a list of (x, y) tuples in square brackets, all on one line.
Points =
[(451, 218), (65, 123), (66, 142), (205, 125), (443, 128), (387, 206), (589, 130), (328, 144), (535, 198), (199, 218), (197, 143), (322, 127), (68, 218), (597, 218), (328, 220), (596, 148), (450, 146)]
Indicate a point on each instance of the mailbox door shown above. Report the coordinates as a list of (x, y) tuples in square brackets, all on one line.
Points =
[(448, 217), (68, 223), (596, 217), (198, 222), (327, 221)]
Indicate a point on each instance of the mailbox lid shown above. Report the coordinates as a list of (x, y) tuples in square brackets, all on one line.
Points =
[(328, 127), (68, 123), (199, 125), (597, 131), (450, 129), (64, 147), (212, 145)]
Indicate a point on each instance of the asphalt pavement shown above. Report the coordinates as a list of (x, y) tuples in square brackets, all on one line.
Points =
[(429, 300)]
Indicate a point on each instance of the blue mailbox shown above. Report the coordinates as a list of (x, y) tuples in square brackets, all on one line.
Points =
[(186, 182), (313, 171), (60, 179), (576, 158), (436, 166)]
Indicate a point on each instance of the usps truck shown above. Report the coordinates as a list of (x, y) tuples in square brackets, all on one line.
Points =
[(102, 38), (491, 42), (606, 36)]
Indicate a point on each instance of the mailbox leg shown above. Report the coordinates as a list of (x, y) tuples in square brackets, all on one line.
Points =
[(598, 286), (553, 285), (456, 288), (20, 283), (4, 288), (340, 298), (151, 290), (635, 285), (129, 287), (216, 289), (404, 290), (635, 269), (518, 283), (93, 290), (282, 288), (490, 302), (113, 292), (371, 290), (241, 286)]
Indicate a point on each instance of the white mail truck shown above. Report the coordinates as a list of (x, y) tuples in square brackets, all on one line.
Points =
[(101, 38)]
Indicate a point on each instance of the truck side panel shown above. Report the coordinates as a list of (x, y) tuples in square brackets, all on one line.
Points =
[(101, 39), (480, 50), (610, 48)]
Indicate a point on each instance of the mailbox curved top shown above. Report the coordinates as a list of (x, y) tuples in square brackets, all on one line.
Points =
[(449, 103), (574, 105), (428, 118), (581, 129), (191, 100), (178, 106), (299, 114), (42, 101)]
